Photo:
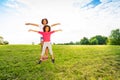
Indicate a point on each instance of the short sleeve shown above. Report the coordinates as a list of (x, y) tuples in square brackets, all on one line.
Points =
[(41, 27), (40, 32), (52, 32)]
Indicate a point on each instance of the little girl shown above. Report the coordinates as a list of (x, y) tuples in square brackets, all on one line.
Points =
[(46, 39)]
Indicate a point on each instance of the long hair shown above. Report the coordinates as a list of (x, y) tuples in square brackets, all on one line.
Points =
[(45, 20), (45, 27)]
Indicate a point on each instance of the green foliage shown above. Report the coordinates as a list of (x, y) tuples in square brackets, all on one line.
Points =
[(94, 41), (1, 37), (77, 43), (114, 37), (72, 62), (6, 42), (84, 41), (98, 40), (70, 43), (2, 42)]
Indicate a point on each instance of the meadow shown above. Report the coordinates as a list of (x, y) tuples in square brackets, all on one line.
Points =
[(72, 62)]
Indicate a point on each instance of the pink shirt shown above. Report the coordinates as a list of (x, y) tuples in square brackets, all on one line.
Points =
[(46, 35)]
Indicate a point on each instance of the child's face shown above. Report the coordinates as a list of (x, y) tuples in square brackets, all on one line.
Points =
[(46, 29), (44, 22)]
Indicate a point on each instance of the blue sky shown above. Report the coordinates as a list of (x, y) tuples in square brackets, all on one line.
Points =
[(78, 18), (92, 3), (2, 6)]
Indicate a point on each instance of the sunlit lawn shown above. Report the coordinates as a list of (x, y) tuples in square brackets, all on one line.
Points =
[(19, 62)]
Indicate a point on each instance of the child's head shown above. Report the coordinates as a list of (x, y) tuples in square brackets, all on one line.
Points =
[(44, 21), (46, 28)]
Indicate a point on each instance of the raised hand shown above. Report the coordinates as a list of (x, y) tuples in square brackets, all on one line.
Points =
[(27, 23)]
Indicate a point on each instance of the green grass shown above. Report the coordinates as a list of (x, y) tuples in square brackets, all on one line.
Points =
[(19, 62)]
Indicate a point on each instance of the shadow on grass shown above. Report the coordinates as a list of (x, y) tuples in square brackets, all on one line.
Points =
[(46, 70)]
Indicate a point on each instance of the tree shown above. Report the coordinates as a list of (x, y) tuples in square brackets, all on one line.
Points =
[(1, 40), (98, 40), (71, 43), (114, 38), (77, 43), (6, 42), (84, 41), (94, 41)]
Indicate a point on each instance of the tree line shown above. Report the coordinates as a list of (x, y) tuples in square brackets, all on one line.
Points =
[(2, 42), (113, 39)]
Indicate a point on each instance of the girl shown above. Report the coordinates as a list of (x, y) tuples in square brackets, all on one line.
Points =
[(46, 41), (44, 22)]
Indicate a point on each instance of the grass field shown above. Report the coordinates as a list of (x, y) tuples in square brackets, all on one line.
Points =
[(19, 62)]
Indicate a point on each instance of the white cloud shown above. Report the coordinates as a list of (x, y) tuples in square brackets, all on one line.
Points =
[(75, 22), (81, 3), (101, 19), (105, 1)]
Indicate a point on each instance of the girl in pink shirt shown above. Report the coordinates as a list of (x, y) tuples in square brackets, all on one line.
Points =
[(43, 23), (46, 39)]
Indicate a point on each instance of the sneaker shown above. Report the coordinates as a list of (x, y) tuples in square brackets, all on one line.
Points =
[(39, 61), (53, 60)]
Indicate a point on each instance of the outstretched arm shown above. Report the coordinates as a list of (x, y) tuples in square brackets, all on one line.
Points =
[(55, 24), (32, 24), (57, 30), (32, 30)]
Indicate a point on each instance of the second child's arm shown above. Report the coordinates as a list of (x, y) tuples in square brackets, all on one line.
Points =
[(55, 24), (32, 24)]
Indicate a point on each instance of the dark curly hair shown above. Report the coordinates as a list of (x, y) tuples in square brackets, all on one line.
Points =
[(48, 27), (43, 20)]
